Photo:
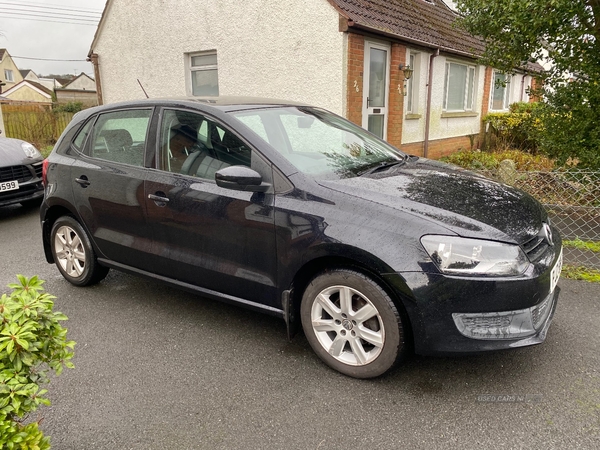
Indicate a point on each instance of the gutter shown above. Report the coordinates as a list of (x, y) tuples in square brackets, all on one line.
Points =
[(93, 57), (428, 109)]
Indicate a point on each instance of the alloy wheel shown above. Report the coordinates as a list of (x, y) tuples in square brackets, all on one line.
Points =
[(348, 325), (70, 252)]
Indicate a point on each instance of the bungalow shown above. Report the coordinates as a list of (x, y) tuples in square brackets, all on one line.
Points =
[(399, 68), (30, 75), (29, 91), (9, 72), (81, 89)]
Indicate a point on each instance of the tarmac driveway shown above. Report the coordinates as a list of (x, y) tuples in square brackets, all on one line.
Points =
[(157, 368)]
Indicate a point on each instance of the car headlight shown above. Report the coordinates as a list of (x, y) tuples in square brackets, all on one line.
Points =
[(461, 256), (30, 150)]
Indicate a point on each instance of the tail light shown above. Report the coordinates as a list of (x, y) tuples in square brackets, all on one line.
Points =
[(45, 172)]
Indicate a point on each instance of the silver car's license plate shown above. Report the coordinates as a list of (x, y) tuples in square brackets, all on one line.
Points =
[(9, 186)]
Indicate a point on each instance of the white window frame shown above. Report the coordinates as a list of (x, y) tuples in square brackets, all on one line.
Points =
[(470, 87), (8, 76), (412, 88), (190, 69), (507, 90)]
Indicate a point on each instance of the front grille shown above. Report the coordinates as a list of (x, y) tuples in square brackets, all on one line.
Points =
[(535, 248), (18, 173), (487, 322), (38, 167)]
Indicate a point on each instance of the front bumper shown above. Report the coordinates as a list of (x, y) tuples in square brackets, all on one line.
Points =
[(450, 315), (509, 329), (27, 191)]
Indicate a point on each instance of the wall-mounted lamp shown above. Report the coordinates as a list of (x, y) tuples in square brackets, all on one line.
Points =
[(408, 72)]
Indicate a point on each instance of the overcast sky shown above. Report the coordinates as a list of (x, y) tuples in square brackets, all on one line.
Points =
[(50, 29)]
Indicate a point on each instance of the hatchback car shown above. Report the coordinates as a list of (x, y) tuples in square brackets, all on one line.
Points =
[(20, 173), (294, 211)]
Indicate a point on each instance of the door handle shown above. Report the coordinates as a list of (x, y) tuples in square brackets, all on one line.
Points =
[(83, 181), (158, 198)]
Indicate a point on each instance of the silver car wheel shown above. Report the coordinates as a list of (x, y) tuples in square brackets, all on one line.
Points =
[(70, 252), (347, 325)]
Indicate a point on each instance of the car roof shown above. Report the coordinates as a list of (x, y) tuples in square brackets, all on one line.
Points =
[(223, 103)]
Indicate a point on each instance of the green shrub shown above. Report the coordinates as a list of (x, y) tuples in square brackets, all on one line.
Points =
[(478, 160), (70, 107), (32, 344), (572, 118), (520, 128)]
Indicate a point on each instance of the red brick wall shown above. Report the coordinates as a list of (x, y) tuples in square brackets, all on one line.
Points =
[(396, 96), (356, 57), (536, 83), (487, 89), (438, 148)]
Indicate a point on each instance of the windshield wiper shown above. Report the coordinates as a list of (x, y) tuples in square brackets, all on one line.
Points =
[(382, 166)]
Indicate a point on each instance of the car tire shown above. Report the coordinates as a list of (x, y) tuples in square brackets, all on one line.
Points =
[(73, 253), (352, 324)]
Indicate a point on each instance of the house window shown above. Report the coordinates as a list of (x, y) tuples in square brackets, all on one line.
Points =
[(204, 74), (500, 92), (8, 75), (459, 87)]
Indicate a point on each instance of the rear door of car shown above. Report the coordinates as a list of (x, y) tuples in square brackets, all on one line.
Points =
[(108, 183), (219, 239)]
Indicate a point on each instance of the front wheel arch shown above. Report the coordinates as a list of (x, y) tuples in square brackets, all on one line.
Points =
[(312, 268), (352, 324)]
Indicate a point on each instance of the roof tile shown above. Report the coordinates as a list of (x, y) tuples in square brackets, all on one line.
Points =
[(429, 23)]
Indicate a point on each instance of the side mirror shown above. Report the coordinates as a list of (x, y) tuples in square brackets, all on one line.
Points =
[(241, 178)]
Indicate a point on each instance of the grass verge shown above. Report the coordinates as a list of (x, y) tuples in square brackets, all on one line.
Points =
[(581, 273)]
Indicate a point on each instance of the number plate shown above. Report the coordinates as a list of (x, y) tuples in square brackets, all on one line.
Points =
[(555, 274), (9, 186)]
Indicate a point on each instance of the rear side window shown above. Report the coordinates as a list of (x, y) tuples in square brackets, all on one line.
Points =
[(120, 136), (79, 141)]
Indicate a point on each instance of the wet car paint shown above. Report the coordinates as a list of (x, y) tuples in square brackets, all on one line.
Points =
[(257, 249)]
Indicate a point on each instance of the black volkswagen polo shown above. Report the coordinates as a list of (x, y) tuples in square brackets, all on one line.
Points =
[(291, 210)]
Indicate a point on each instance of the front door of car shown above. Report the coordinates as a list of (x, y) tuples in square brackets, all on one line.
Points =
[(108, 184), (216, 238)]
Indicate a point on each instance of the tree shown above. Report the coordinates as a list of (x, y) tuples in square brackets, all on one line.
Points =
[(566, 35)]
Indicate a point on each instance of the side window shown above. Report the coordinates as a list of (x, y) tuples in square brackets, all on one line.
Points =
[(459, 87), (500, 97), (120, 136), (80, 139), (194, 145)]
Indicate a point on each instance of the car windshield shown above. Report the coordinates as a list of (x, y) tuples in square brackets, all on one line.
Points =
[(319, 143)]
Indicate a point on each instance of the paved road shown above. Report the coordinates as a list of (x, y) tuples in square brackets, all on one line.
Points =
[(160, 369)]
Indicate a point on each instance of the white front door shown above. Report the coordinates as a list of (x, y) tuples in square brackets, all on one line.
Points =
[(375, 90)]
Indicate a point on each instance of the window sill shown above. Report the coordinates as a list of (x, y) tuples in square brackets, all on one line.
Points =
[(412, 116), (448, 115)]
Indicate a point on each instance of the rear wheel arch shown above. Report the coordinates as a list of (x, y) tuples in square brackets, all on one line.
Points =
[(73, 252), (51, 215)]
